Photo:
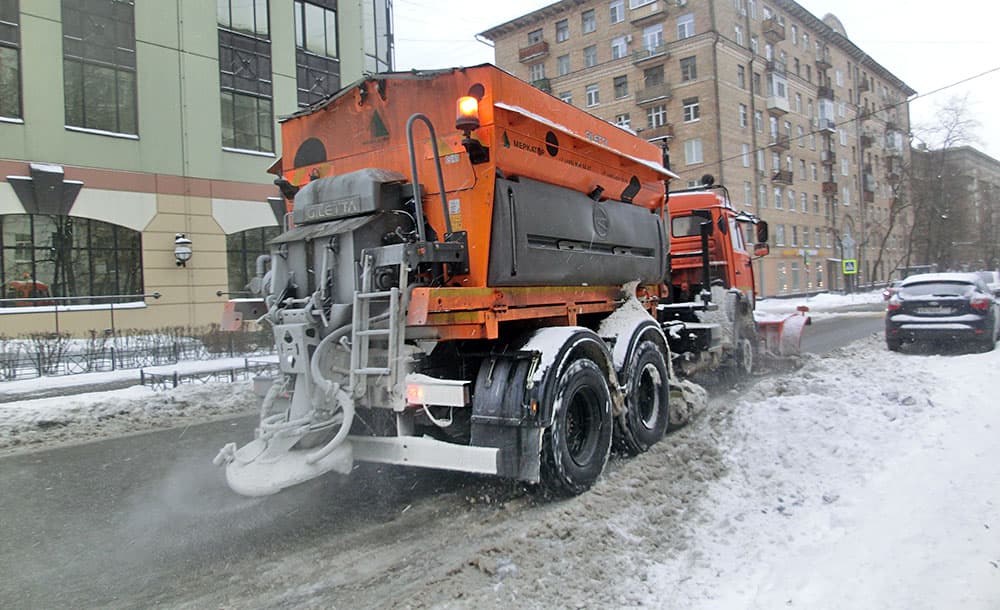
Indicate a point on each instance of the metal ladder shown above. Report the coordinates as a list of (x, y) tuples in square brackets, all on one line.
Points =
[(362, 366)]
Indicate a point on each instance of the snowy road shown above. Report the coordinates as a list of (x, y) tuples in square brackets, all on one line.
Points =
[(866, 479)]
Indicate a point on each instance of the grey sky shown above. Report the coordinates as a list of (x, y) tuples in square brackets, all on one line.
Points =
[(929, 45)]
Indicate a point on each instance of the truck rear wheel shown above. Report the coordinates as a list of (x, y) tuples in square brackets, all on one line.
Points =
[(576, 446), (647, 403)]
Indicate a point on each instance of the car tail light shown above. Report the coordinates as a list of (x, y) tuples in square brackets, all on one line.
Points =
[(980, 303), (893, 304)]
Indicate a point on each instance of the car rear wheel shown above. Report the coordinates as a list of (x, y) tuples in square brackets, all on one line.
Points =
[(893, 344)]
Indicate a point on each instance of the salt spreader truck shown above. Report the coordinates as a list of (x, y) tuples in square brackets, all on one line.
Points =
[(477, 276)]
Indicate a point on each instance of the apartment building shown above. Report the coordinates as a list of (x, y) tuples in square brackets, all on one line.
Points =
[(135, 139), (956, 199), (801, 125)]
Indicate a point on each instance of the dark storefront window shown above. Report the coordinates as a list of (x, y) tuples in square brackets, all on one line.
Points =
[(242, 250)]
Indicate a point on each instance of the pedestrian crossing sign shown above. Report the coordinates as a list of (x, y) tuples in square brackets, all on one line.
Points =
[(850, 266)]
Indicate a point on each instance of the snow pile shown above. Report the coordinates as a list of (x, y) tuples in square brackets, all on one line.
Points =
[(88, 416), (824, 302)]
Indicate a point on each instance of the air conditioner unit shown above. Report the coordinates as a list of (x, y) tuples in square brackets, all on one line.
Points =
[(628, 38)]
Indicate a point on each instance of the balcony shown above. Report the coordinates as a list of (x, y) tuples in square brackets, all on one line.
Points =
[(777, 104), (657, 133), (651, 12), (774, 32), (775, 66), (533, 52), (829, 187), (826, 125), (782, 177), (649, 54), (543, 83), (828, 157), (779, 142), (823, 60), (824, 93), (653, 93), (863, 86)]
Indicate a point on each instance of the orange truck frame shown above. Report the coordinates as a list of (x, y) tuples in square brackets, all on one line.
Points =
[(492, 297)]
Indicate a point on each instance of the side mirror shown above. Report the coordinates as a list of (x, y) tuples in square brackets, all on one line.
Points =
[(761, 249), (762, 233)]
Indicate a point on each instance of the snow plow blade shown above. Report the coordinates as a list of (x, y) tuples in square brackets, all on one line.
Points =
[(262, 469), (780, 335)]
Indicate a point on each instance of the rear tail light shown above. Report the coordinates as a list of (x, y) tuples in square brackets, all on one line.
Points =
[(980, 303), (893, 304)]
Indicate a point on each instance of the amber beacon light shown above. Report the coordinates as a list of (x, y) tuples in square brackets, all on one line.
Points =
[(467, 118)]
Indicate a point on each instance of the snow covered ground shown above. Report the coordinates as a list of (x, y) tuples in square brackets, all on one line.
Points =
[(865, 479)]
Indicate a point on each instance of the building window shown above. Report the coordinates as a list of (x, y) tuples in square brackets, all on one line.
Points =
[(562, 30), (685, 26), (692, 151), (756, 84), (743, 115), (617, 11), (67, 256), (754, 45), (590, 56), (536, 72), (758, 121), (800, 137), (847, 196), (593, 95), (692, 111), (779, 202), (795, 35), (316, 55), (689, 68), (652, 38), (656, 116), (588, 21), (242, 250), (795, 238), (816, 206), (535, 36), (844, 167), (779, 235), (653, 77), (562, 65), (566, 96), (621, 87), (245, 75), (762, 196), (619, 48), (741, 77), (746, 155), (739, 35), (623, 120), (10, 59), (747, 193), (99, 65)]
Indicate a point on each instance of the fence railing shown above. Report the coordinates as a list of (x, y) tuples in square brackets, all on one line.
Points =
[(57, 356)]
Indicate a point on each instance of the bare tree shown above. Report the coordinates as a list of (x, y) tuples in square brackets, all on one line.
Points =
[(940, 208)]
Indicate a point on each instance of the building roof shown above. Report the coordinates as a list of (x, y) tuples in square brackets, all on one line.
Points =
[(546, 12)]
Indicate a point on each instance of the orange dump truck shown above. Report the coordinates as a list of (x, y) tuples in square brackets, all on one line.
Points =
[(476, 277)]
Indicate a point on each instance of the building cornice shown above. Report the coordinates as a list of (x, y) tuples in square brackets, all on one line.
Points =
[(540, 15)]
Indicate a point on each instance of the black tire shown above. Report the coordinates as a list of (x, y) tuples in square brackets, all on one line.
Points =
[(647, 401), (576, 446), (894, 345)]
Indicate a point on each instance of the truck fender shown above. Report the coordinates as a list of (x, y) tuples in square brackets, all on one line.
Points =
[(556, 347)]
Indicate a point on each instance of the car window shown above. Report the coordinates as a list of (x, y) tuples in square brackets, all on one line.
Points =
[(937, 289)]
